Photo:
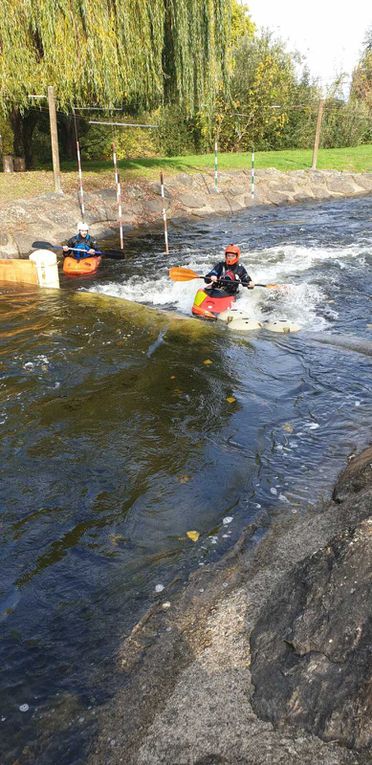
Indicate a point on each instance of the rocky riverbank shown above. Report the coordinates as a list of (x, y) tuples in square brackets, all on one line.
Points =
[(54, 216), (263, 658)]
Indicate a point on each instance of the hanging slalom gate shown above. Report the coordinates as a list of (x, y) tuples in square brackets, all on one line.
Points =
[(116, 172)]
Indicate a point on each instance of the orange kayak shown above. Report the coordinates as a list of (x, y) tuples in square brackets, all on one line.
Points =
[(82, 267)]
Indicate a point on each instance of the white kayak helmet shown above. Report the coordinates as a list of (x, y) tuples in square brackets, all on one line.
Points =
[(81, 226)]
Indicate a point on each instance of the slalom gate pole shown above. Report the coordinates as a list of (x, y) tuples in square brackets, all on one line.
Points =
[(215, 166), (81, 190), (164, 214), (118, 196), (252, 175), (82, 205)]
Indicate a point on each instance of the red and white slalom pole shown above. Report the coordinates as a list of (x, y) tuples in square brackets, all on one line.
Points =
[(118, 196), (81, 189), (164, 214), (78, 155)]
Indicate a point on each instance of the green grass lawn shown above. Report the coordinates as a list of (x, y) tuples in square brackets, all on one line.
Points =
[(97, 175)]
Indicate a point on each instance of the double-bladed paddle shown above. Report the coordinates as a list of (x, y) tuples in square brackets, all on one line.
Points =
[(114, 254), (180, 274)]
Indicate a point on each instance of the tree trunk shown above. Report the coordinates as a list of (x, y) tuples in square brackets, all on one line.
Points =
[(23, 127), (67, 136)]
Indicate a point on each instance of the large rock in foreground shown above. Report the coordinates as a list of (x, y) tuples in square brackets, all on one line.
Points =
[(311, 647)]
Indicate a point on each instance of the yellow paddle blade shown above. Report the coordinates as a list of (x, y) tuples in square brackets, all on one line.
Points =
[(180, 274), (272, 286), (278, 286)]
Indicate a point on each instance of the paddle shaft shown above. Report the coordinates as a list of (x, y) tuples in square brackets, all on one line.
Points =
[(224, 281), (76, 249), (237, 281), (108, 253), (181, 274)]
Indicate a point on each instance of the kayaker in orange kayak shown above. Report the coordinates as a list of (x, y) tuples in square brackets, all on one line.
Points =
[(229, 273), (82, 241)]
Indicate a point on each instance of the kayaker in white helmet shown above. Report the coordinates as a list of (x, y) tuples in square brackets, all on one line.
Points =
[(229, 273), (82, 241)]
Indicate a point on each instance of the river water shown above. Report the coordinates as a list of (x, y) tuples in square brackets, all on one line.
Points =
[(123, 429)]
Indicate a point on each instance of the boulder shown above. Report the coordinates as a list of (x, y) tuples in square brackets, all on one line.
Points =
[(364, 180), (343, 184), (356, 477), (8, 246), (311, 661), (192, 200), (155, 206)]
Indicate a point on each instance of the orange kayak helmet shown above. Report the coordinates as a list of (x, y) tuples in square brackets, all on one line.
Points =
[(232, 254)]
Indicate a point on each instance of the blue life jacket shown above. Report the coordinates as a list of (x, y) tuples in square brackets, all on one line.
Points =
[(83, 244)]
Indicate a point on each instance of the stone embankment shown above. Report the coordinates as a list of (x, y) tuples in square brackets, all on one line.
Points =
[(263, 658), (53, 217)]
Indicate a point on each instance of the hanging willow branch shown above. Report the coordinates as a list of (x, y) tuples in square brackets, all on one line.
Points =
[(134, 52)]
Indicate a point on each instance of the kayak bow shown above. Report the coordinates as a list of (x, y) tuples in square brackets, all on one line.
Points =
[(83, 267), (209, 303)]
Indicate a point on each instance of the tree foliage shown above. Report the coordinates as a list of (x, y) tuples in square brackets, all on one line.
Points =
[(197, 68), (105, 52), (264, 86), (361, 87)]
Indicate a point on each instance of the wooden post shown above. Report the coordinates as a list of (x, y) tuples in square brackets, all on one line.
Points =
[(54, 138), (317, 133), (8, 163), (19, 164)]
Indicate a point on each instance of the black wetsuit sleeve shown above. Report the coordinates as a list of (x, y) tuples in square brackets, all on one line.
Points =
[(215, 271), (71, 242), (244, 276)]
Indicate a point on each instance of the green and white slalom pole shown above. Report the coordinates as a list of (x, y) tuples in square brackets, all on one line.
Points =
[(164, 214), (215, 166), (252, 175)]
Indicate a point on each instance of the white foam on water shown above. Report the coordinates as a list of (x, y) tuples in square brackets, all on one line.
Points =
[(296, 301)]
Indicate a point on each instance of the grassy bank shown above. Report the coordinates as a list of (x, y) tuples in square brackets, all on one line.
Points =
[(97, 175)]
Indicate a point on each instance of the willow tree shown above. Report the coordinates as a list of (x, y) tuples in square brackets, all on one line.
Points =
[(134, 53)]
